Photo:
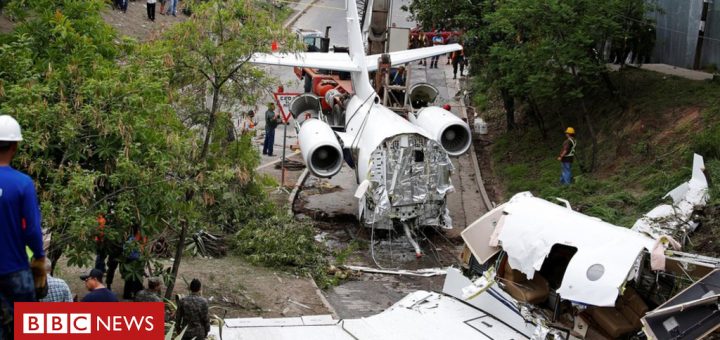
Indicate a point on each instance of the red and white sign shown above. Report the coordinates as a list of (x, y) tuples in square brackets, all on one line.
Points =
[(283, 102), (89, 320)]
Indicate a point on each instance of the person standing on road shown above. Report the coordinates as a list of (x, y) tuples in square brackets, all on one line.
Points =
[(162, 7), (567, 154), (192, 313), (172, 7), (458, 59), (271, 122), (58, 290), (151, 9), (436, 40), (19, 228)]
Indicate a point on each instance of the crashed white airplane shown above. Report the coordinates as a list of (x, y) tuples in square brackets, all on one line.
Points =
[(540, 270), (402, 165)]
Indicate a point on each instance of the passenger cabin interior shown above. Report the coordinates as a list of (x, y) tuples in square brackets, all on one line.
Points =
[(617, 322)]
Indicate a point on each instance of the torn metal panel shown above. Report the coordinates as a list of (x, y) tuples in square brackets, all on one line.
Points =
[(604, 259), (692, 314), (478, 235), (675, 219)]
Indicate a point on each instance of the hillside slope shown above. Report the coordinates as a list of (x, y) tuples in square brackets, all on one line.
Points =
[(647, 134)]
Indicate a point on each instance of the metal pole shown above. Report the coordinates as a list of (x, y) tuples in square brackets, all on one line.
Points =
[(282, 161)]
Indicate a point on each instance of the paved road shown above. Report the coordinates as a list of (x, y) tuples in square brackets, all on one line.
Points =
[(371, 294)]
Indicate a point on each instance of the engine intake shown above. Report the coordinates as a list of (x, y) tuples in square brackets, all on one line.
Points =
[(320, 148), (446, 128)]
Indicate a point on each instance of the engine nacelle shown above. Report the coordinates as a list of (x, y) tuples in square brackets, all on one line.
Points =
[(320, 148), (447, 129)]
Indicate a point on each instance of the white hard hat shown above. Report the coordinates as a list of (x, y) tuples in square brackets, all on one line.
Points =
[(9, 129)]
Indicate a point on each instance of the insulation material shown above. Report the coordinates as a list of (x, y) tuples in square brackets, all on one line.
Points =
[(605, 253), (675, 219), (409, 176)]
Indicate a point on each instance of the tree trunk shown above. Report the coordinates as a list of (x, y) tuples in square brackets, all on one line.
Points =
[(593, 137), (211, 123), (509, 104), (180, 247), (537, 116)]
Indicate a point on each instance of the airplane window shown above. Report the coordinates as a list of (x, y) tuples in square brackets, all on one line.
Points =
[(595, 272)]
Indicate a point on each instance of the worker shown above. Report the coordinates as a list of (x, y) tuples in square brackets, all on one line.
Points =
[(19, 227), (398, 76), (436, 41), (423, 41), (106, 251), (192, 312), (567, 154), (133, 267), (272, 120), (248, 123)]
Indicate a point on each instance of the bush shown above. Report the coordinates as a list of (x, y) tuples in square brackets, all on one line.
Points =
[(281, 241)]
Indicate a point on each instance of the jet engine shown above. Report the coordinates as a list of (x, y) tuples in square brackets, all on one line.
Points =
[(320, 148), (447, 129), (305, 106), (422, 95)]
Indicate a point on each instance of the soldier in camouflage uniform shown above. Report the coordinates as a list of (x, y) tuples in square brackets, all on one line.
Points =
[(152, 293), (192, 313)]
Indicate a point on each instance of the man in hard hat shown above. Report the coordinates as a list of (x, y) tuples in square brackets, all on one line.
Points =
[(567, 154), (19, 227)]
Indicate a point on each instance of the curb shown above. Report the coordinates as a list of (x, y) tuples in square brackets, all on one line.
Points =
[(297, 15), (476, 165)]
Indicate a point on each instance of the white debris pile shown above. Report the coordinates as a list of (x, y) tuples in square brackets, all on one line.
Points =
[(675, 219)]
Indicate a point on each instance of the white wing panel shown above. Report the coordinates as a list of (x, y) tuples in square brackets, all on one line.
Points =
[(326, 61), (403, 57)]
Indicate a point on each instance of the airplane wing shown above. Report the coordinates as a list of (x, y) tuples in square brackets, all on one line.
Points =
[(326, 61), (403, 57)]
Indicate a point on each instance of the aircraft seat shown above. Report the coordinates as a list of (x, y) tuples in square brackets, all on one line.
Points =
[(519, 287), (624, 317)]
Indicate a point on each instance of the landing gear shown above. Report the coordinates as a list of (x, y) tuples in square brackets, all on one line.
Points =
[(411, 238)]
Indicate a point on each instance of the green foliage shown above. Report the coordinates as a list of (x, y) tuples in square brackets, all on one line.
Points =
[(105, 121), (281, 241), (210, 54)]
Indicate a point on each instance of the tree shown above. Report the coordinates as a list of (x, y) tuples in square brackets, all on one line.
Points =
[(211, 74), (211, 52), (99, 135), (542, 52)]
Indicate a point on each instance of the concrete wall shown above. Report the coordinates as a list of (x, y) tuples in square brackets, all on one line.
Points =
[(711, 45), (677, 28)]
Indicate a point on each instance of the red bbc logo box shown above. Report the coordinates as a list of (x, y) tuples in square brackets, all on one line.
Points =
[(90, 320)]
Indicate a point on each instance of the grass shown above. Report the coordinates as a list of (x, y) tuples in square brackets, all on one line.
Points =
[(646, 139)]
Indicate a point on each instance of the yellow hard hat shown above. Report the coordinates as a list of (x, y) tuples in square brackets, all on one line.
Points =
[(570, 130)]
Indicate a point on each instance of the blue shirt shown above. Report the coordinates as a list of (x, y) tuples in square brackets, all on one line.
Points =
[(100, 295), (18, 202)]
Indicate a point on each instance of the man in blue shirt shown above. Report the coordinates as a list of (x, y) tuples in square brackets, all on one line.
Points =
[(98, 292), (19, 227)]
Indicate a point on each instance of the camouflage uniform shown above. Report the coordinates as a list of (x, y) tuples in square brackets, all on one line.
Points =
[(193, 312), (147, 296)]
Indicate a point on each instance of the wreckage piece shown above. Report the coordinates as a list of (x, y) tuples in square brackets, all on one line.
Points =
[(419, 315), (692, 314), (675, 219), (527, 228)]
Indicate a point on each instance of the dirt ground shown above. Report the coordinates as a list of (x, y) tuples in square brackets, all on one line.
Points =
[(135, 22), (233, 287)]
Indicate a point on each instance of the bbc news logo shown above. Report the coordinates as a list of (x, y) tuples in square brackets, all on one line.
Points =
[(116, 320)]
